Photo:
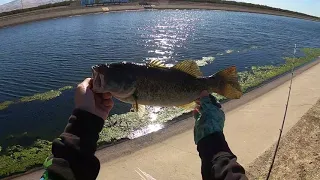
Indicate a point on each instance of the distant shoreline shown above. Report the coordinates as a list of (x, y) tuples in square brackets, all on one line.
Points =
[(65, 11)]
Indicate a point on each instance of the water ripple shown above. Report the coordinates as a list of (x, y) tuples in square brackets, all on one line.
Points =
[(45, 55)]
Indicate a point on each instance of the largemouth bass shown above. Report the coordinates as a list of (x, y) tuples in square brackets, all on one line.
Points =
[(156, 85)]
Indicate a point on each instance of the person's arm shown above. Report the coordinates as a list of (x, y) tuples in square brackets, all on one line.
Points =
[(73, 152), (217, 160)]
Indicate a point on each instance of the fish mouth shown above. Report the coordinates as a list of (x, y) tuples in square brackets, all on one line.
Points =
[(99, 68), (98, 79), (99, 83)]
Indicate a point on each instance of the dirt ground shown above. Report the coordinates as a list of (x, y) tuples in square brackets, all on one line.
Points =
[(299, 154)]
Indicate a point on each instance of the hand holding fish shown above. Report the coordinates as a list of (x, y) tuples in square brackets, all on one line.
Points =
[(97, 104), (208, 115)]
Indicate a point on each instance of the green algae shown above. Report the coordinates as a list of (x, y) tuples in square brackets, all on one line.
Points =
[(259, 74), (18, 159), (65, 88), (46, 95), (120, 126), (205, 61), (5, 104), (39, 96)]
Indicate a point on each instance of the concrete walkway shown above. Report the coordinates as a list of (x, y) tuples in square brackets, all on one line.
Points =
[(250, 129)]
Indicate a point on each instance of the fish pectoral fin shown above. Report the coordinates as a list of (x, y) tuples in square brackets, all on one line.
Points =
[(229, 86), (156, 63), (189, 106), (139, 108), (189, 67)]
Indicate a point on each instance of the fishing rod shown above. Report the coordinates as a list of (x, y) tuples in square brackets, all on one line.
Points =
[(284, 117)]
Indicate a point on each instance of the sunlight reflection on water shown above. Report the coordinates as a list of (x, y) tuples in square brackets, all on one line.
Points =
[(167, 36), (146, 130), (153, 115)]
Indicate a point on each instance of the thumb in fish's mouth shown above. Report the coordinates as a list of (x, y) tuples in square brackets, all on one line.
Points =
[(98, 70), (98, 78), (94, 72)]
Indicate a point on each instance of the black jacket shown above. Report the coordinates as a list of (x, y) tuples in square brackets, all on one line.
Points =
[(217, 160), (73, 153)]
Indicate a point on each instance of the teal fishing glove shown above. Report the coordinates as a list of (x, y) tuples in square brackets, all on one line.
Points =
[(209, 118)]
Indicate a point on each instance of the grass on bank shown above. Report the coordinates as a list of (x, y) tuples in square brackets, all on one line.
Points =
[(17, 159)]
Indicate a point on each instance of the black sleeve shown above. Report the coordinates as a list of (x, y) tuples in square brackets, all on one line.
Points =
[(73, 152), (217, 160)]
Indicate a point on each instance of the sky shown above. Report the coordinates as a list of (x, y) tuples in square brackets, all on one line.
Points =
[(4, 1), (311, 7)]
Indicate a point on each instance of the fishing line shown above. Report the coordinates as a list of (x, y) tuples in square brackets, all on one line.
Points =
[(285, 114)]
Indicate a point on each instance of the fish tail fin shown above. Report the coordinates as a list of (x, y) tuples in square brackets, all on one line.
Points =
[(226, 83)]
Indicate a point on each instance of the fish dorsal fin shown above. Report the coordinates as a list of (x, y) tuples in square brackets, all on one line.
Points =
[(156, 63), (190, 67)]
